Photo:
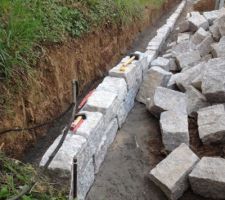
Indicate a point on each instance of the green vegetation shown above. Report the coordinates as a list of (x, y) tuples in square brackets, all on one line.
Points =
[(14, 175), (26, 24)]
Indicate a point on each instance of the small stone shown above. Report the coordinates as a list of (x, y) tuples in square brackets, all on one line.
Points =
[(161, 62), (211, 16), (208, 178), (165, 99), (211, 124), (174, 129), (195, 101), (171, 174), (155, 77), (218, 49)]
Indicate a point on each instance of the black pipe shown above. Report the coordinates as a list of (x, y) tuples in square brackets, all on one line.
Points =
[(74, 179)]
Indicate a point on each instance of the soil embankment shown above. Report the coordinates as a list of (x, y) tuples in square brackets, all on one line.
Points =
[(86, 59)]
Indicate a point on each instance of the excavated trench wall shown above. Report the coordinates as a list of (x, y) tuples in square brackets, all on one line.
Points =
[(106, 111)]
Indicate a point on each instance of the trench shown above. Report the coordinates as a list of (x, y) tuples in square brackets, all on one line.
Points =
[(136, 150)]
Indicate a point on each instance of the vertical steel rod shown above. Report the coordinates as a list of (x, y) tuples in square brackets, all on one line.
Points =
[(74, 178)]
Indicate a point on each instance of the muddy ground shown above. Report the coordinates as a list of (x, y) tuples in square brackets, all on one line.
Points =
[(138, 148)]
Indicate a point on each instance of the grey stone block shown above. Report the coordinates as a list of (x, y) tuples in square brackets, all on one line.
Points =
[(155, 77), (213, 82), (92, 129), (114, 85), (174, 129), (204, 47), (165, 99), (85, 180), (211, 124), (196, 21), (151, 55), (73, 146), (161, 62), (107, 140), (208, 178), (103, 102), (211, 16), (132, 74), (182, 37), (185, 78), (195, 101), (199, 36), (171, 174), (218, 49), (184, 26), (189, 58)]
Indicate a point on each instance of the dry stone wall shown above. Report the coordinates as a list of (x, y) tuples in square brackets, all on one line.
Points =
[(106, 111)]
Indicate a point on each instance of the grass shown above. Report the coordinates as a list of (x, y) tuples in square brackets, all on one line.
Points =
[(14, 175), (25, 24)]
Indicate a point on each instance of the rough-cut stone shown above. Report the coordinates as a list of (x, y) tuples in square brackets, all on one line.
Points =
[(189, 58), (103, 102), (85, 180), (92, 129), (204, 47), (214, 30), (171, 174), (218, 49), (195, 101), (143, 59), (126, 106), (208, 178), (199, 36), (211, 16), (155, 77), (213, 82), (181, 48), (184, 26), (161, 62), (185, 78), (166, 99), (132, 74), (172, 82), (156, 43), (151, 55), (107, 140), (197, 20), (221, 25), (211, 124), (73, 146), (182, 37), (114, 85), (174, 129)]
